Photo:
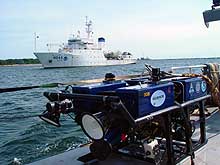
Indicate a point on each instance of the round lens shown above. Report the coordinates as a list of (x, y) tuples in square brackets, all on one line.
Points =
[(92, 127)]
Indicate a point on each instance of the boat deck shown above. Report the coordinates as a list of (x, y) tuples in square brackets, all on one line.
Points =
[(210, 153)]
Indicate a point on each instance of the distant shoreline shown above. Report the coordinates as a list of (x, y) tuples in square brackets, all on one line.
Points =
[(21, 65), (19, 62)]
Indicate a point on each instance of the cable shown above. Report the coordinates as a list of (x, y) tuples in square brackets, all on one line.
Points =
[(16, 117)]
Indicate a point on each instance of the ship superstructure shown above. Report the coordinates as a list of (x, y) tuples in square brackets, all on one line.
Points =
[(83, 52)]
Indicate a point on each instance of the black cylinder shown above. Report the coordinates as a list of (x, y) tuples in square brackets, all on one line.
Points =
[(63, 96)]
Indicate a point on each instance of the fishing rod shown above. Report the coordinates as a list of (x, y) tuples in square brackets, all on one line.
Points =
[(53, 85), (13, 89)]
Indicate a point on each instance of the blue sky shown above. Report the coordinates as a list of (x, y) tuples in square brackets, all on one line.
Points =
[(157, 29)]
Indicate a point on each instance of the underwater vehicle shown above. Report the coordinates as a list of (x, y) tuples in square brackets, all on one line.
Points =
[(156, 118)]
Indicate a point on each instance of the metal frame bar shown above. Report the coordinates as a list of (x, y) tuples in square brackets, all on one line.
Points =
[(202, 122), (169, 139)]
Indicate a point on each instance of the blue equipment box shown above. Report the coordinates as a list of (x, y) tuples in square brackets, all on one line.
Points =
[(98, 87), (94, 89), (192, 88), (144, 99)]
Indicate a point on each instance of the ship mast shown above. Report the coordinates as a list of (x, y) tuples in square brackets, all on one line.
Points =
[(88, 27)]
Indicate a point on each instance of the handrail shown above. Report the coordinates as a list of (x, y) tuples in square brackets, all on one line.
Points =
[(194, 100), (187, 67)]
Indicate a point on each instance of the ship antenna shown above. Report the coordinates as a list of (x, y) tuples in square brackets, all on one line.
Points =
[(88, 27), (35, 41)]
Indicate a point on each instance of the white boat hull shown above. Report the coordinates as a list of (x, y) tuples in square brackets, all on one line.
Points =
[(78, 58)]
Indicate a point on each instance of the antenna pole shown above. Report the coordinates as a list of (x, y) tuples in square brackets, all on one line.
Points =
[(35, 41), (88, 27)]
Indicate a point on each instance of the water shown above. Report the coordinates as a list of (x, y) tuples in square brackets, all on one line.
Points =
[(23, 135)]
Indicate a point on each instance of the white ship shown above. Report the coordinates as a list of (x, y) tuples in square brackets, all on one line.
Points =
[(83, 52)]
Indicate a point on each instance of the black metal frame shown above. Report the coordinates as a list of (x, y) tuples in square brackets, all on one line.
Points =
[(165, 113)]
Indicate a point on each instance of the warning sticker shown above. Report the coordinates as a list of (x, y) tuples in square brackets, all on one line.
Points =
[(203, 86), (146, 94), (191, 89), (198, 87)]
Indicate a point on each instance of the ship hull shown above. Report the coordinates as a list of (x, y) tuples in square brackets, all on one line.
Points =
[(76, 59)]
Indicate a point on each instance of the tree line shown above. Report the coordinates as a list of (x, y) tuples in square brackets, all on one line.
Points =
[(19, 61)]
